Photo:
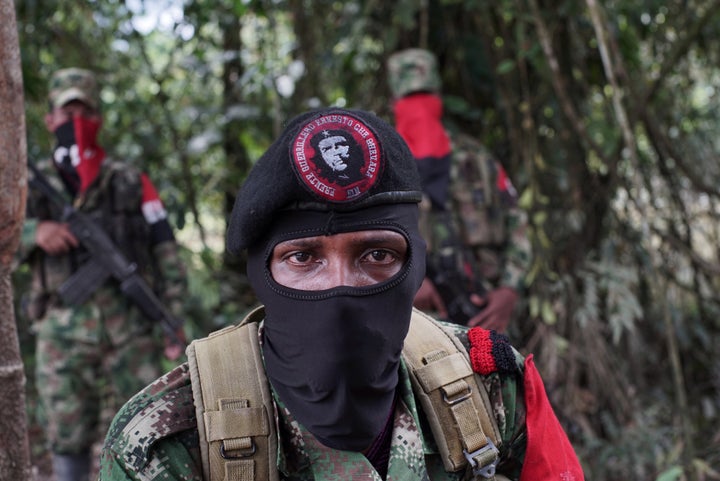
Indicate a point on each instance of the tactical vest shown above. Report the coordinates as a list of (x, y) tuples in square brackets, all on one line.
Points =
[(236, 413), (475, 198)]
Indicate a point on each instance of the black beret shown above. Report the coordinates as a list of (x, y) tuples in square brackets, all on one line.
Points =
[(327, 159)]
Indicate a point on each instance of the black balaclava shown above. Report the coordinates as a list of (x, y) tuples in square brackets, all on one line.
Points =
[(66, 156), (333, 355)]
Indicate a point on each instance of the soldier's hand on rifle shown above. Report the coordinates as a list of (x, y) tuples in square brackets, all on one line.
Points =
[(496, 314), (54, 238), (428, 299), (174, 348)]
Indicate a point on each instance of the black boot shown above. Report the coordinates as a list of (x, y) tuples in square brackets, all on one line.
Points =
[(71, 467)]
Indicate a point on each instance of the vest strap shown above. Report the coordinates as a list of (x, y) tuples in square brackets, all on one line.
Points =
[(234, 408), (454, 400)]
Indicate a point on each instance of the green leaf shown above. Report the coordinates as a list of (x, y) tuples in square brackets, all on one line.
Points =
[(671, 474), (506, 66), (548, 313)]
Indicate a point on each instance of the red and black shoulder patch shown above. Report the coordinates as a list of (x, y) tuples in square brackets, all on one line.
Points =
[(490, 352)]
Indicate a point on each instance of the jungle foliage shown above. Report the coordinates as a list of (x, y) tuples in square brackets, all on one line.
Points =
[(604, 113)]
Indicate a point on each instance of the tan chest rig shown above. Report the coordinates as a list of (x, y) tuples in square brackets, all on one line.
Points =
[(235, 410)]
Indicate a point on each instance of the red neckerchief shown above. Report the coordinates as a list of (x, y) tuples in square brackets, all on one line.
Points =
[(418, 119), (91, 154)]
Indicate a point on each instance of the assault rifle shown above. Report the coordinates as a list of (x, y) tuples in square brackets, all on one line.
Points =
[(105, 261), (443, 270)]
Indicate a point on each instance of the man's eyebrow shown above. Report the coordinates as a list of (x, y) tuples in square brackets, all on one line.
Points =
[(380, 238), (300, 243), (370, 237)]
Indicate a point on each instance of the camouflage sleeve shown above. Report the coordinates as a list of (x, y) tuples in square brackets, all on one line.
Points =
[(518, 250), (37, 208), (27, 239), (165, 250), (501, 368), (173, 276), (154, 436)]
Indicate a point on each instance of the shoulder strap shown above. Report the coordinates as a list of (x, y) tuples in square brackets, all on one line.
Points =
[(456, 404), (235, 413)]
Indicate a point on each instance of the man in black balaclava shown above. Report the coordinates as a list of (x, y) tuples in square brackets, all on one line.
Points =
[(332, 340), (336, 264)]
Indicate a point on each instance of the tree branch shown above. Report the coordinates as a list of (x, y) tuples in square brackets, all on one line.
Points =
[(559, 86)]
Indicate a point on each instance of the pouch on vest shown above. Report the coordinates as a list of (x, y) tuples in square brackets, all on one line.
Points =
[(453, 399), (234, 407), (480, 213)]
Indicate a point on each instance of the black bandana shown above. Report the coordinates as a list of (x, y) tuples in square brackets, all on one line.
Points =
[(333, 355), (66, 156)]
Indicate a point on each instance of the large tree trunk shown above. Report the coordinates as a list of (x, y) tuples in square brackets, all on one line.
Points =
[(14, 445)]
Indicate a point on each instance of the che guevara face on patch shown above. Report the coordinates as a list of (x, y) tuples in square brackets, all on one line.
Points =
[(337, 157)]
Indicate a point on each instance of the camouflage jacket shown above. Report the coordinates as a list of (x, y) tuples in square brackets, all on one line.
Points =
[(116, 202), (485, 215), (154, 436)]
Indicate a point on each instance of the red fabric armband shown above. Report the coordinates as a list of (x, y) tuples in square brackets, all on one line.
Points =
[(549, 455), (502, 179), (152, 206)]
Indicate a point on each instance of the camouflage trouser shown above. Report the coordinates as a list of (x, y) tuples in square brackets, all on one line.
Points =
[(83, 378)]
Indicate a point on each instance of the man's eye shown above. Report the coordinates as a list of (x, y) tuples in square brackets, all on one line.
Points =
[(299, 257), (380, 256)]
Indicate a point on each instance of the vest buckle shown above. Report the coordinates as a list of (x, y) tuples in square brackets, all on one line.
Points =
[(484, 460)]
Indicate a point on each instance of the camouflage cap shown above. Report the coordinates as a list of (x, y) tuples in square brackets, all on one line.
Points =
[(73, 84), (413, 70)]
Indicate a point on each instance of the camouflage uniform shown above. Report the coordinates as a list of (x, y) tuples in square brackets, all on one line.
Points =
[(481, 204), (154, 437), (91, 358)]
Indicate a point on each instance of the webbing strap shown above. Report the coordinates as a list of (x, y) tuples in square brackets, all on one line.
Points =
[(487, 180), (457, 407), (233, 404)]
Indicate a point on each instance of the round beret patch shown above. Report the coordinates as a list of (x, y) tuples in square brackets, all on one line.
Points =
[(337, 157)]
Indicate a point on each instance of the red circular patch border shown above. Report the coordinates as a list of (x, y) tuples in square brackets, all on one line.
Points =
[(302, 154)]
